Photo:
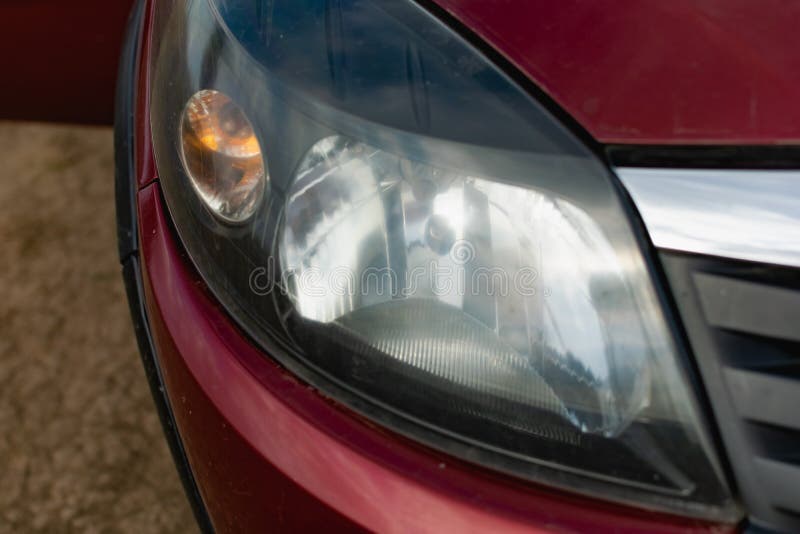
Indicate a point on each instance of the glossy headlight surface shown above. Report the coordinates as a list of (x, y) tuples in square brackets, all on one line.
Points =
[(435, 250)]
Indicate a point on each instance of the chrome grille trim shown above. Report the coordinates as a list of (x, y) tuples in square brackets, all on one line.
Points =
[(738, 214)]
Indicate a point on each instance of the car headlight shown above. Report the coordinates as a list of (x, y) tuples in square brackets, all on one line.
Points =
[(397, 221)]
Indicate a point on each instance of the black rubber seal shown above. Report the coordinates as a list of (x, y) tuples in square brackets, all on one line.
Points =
[(127, 237), (124, 121)]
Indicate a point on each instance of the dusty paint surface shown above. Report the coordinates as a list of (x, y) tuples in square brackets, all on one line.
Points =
[(81, 448)]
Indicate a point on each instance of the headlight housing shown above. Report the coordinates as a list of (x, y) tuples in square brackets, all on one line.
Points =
[(431, 247)]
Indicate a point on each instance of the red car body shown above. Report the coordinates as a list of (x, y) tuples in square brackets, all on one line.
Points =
[(268, 452), (649, 72)]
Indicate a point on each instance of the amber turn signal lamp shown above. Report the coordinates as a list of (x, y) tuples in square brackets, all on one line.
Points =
[(222, 156)]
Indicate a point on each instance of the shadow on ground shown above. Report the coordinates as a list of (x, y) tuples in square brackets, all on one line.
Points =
[(81, 448)]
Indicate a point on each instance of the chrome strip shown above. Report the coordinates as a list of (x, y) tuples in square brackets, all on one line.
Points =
[(742, 214)]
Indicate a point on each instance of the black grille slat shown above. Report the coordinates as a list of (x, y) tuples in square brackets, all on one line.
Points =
[(781, 481), (765, 398), (749, 307)]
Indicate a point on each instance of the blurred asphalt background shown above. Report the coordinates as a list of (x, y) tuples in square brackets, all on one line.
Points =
[(81, 448)]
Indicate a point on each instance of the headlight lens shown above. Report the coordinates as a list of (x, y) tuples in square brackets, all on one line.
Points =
[(435, 275), (435, 250)]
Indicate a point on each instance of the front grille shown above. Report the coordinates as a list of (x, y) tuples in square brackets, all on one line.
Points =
[(742, 320)]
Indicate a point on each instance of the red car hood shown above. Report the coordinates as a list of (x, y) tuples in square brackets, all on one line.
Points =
[(656, 71)]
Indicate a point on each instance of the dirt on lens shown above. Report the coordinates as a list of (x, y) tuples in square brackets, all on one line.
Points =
[(81, 447)]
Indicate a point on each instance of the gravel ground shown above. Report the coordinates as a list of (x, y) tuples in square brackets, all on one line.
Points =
[(81, 448)]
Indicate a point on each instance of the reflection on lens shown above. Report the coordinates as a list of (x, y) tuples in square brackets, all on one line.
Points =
[(222, 156), (411, 238)]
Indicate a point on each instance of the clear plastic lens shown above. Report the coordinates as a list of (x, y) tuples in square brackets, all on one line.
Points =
[(222, 156), (539, 305), (435, 250)]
